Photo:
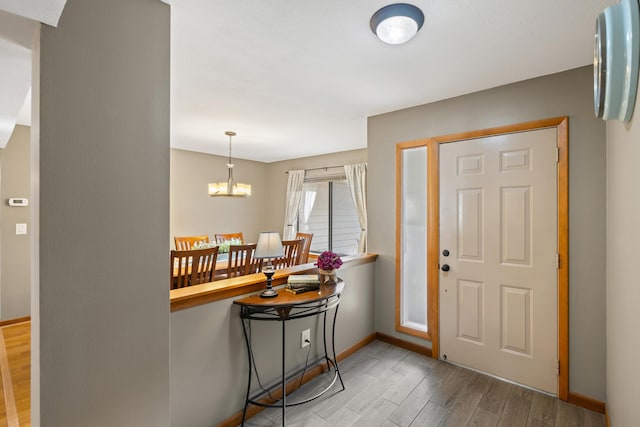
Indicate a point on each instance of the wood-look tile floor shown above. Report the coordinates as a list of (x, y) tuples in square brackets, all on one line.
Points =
[(15, 372), (389, 386)]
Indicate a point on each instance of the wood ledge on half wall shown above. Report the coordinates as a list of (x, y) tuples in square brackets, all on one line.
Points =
[(205, 293)]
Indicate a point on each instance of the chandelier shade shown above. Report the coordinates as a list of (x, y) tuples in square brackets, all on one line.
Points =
[(229, 188)]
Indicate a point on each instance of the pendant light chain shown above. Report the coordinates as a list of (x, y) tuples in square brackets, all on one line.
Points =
[(231, 134)]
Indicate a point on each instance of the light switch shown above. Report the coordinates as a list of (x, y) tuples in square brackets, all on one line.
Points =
[(21, 228)]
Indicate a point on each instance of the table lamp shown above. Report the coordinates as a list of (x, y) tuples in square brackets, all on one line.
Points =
[(269, 246)]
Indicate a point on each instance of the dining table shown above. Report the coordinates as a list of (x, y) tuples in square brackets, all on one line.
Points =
[(222, 262)]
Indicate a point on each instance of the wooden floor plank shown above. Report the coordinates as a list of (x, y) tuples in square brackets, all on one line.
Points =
[(363, 401), (483, 418), (3, 409), (447, 395), (480, 383), (544, 409), (15, 370), (462, 409), (407, 411), (466, 397), (569, 415), (516, 409), (430, 415), (452, 386), (17, 338), (496, 396), (532, 422), (399, 391), (592, 419), (377, 414), (11, 411)]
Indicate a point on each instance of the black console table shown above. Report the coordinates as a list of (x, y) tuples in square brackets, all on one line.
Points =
[(287, 306)]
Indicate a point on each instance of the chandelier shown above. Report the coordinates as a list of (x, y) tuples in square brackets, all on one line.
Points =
[(229, 188)]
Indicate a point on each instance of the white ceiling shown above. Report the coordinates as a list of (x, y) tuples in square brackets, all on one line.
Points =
[(18, 24), (297, 78), (46, 11), (16, 39)]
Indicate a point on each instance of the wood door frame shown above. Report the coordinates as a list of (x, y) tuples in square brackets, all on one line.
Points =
[(433, 207)]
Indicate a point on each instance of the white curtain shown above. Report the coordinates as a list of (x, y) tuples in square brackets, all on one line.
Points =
[(294, 194), (357, 181)]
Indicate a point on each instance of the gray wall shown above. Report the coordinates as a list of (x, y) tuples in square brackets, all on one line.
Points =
[(194, 212), (564, 94), (15, 277), (623, 259), (104, 215), (209, 365)]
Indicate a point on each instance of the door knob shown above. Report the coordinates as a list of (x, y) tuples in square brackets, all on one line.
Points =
[(445, 267)]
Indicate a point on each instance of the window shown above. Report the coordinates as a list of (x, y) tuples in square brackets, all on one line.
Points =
[(327, 211), (412, 238)]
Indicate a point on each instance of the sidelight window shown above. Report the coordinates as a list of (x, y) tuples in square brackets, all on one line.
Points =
[(412, 239)]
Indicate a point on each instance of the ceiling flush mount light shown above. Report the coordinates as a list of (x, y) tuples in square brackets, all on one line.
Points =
[(397, 23), (229, 188)]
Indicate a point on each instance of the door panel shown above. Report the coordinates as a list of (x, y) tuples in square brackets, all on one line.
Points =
[(498, 218), (470, 224), (516, 320), (470, 311), (515, 206)]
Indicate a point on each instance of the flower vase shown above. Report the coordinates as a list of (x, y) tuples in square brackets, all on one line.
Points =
[(327, 277)]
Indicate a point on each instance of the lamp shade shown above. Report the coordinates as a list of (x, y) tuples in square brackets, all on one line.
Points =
[(397, 23), (269, 245)]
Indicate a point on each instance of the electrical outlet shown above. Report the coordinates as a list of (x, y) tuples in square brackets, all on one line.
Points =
[(305, 338)]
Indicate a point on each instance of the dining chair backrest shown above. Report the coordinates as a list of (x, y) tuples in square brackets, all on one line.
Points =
[(306, 246), (221, 238), (291, 249), (185, 243), (193, 267), (241, 260)]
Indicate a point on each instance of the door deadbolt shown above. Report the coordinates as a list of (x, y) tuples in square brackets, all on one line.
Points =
[(445, 253)]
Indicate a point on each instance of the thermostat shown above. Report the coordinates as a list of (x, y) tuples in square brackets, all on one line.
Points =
[(18, 202)]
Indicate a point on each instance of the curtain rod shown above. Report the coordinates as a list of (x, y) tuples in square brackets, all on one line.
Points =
[(317, 169)]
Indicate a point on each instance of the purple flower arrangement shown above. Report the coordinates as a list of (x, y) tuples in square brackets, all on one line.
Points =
[(328, 261)]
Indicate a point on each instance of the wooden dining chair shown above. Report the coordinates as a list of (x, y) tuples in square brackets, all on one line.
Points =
[(221, 238), (306, 246), (185, 243), (241, 260), (291, 249), (193, 267)]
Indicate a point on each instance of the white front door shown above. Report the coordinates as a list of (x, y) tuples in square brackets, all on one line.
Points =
[(498, 222)]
